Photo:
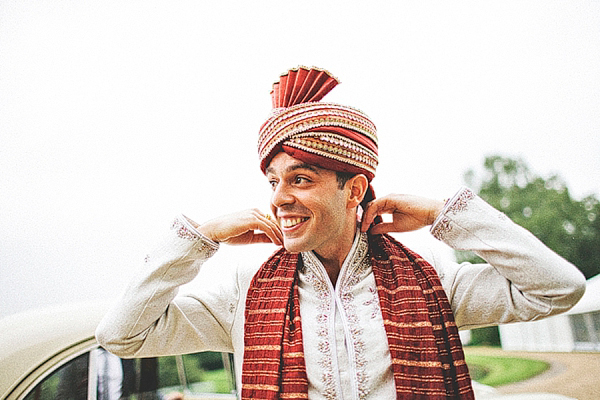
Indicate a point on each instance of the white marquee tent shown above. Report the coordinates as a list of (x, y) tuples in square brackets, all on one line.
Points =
[(576, 330)]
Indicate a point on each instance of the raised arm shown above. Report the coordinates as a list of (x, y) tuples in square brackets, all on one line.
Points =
[(522, 280), (151, 320)]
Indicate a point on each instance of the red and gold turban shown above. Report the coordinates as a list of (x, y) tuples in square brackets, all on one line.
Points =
[(328, 135)]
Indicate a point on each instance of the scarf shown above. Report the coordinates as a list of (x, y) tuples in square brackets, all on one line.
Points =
[(416, 315)]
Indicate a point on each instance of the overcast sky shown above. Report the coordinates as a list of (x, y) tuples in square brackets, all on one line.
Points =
[(115, 116)]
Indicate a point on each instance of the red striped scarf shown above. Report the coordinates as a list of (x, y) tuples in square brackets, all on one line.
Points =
[(427, 356)]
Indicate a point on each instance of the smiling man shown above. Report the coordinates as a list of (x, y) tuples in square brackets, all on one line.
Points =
[(342, 310)]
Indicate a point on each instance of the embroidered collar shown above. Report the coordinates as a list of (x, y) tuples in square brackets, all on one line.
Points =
[(354, 265)]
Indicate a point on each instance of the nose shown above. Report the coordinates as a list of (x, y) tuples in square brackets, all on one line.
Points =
[(281, 195)]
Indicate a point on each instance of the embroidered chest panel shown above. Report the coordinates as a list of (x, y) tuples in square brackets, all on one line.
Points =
[(355, 302)]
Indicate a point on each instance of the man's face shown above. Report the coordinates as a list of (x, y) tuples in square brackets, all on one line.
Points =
[(308, 205)]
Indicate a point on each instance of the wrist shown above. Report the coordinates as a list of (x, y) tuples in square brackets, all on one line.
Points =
[(206, 232), (199, 230), (435, 210)]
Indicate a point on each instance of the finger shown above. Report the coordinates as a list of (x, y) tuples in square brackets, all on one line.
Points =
[(261, 237), (374, 209), (274, 224), (269, 232), (270, 228), (249, 221), (384, 227), (265, 221), (273, 237), (248, 237), (367, 217), (267, 226)]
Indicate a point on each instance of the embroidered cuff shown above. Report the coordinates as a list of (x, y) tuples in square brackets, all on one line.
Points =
[(442, 226), (185, 230)]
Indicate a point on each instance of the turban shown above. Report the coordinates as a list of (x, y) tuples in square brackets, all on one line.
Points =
[(328, 135)]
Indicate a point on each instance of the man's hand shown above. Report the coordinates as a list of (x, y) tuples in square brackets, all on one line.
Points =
[(409, 213), (240, 227)]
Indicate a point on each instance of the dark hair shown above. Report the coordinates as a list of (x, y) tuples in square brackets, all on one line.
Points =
[(343, 177)]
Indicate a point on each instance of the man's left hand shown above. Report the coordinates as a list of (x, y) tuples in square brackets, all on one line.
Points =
[(409, 213)]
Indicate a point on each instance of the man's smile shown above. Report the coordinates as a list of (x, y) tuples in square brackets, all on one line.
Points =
[(292, 222)]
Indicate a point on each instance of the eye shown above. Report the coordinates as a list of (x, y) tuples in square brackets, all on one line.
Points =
[(272, 183), (298, 180)]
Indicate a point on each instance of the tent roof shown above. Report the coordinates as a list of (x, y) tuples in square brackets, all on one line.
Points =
[(591, 298)]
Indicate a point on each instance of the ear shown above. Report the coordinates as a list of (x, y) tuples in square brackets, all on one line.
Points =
[(357, 186)]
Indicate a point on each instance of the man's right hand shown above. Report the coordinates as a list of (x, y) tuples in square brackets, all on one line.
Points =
[(244, 227)]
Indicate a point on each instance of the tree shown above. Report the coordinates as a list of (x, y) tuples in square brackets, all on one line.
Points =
[(544, 207)]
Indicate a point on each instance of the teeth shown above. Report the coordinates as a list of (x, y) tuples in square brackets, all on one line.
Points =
[(289, 222)]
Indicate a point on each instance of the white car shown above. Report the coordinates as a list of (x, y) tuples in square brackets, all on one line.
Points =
[(52, 354)]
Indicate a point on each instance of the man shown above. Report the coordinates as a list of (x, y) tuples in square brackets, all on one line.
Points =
[(342, 310)]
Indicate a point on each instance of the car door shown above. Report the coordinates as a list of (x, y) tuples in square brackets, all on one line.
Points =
[(89, 372)]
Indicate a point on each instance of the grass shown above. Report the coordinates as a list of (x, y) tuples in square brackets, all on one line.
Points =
[(211, 382), (219, 377), (496, 371)]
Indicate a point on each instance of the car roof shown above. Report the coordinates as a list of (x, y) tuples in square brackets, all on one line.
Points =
[(33, 337)]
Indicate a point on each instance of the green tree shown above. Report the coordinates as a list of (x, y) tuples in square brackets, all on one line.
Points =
[(544, 207)]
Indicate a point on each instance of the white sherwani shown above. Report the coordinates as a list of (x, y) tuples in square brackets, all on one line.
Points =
[(345, 344)]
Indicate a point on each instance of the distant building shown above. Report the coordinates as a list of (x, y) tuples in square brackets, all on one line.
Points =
[(576, 330)]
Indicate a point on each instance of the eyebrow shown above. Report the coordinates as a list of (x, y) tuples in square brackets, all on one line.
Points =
[(295, 167)]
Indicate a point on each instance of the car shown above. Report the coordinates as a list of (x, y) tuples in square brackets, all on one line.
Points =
[(51, 353)]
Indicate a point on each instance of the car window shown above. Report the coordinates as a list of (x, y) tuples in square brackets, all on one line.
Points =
[(209, 372), (112, 378), (166, 377), (69, 382), (150, 378)]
